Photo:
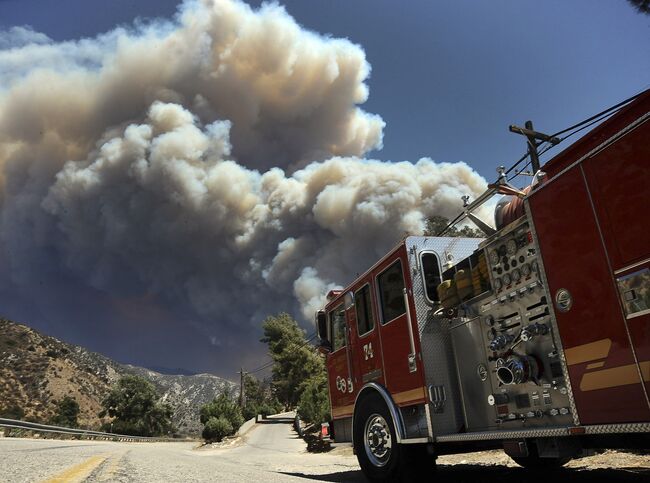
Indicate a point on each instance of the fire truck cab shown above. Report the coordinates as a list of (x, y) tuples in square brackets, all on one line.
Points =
[(535, 339)]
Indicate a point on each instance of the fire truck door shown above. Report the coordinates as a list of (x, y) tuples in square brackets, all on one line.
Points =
[(341, 386), (364, 337), (403, 375), (602, 364)]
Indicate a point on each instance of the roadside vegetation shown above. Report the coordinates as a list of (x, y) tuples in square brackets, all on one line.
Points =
[(133, 404), (67, 412), (298, 381), (221, 417), (260, 398)]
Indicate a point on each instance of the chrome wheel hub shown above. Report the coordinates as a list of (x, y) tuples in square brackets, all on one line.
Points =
[(377, 440)]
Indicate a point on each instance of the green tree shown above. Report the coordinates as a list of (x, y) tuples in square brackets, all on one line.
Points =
[(280, 331), (641, 6), (133, 405), (436, 224), (314, 404), (224, 408), (259, 398), (295, 361), (67, 411)]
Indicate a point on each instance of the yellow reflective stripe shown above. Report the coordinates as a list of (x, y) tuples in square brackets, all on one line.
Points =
[(78, 472)]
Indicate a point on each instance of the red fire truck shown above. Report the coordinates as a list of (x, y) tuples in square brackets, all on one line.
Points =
[(535, 339)]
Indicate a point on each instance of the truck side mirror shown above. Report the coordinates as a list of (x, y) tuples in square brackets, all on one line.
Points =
[(321, 324)]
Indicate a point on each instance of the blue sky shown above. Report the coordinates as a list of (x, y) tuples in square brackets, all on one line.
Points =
[(447, 77)]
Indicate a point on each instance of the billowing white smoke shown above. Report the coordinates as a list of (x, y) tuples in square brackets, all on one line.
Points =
[(212, 161)]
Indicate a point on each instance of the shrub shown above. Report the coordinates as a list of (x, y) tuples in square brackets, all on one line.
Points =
[(223, 407), (12, 412), (216, 429), (67, 411)]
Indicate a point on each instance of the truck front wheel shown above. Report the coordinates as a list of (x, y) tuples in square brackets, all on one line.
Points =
[(380, 456)]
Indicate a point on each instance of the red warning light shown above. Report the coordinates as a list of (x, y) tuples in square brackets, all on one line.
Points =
[(529, 236)]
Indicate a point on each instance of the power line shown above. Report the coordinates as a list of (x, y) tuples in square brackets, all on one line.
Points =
[(261, 368), (582, 125), (620, 104), (576, 128)]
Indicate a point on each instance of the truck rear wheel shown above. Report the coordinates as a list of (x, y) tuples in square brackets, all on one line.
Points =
[(380, 456)]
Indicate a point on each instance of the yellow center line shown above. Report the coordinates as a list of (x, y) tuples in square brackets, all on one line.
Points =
[(108, 472), (78, 472)]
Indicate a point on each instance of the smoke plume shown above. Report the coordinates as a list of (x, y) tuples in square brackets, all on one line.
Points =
[(211, 165)]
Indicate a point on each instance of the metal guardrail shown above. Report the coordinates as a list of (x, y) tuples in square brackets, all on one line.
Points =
[(46, 428)]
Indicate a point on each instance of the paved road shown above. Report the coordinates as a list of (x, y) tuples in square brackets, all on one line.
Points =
[(270, 453)]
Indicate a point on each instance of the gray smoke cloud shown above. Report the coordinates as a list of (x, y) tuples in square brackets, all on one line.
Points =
[(213, 162)]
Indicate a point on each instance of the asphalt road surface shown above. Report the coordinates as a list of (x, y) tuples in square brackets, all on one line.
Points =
[(270, 452)]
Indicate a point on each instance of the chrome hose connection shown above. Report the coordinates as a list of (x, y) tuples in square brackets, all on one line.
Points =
[(517, 370)]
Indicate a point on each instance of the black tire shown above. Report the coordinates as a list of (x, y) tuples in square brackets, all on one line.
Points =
[(534, 462), (399, 462)]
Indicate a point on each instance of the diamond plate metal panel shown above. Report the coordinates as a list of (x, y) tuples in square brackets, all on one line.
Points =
[(618, 428), (545, 432), (435, 339), (506, 434), (443, 247)]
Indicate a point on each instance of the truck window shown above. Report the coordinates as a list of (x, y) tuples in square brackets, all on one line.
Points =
[(337, 324), (432, 278), (363, 307), (391, 292)]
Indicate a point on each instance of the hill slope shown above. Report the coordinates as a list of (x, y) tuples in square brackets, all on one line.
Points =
[(37, 370)]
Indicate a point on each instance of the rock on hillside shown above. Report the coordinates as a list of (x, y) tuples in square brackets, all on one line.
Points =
[(37, 370)]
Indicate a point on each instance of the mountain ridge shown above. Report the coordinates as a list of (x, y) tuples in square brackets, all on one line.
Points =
[(36, 370)]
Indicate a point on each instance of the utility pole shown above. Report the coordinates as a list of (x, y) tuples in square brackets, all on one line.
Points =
[(532, 137), (242, 391)]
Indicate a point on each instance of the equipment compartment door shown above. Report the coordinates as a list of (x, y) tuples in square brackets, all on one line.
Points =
[(589, 316), (619, 181)]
